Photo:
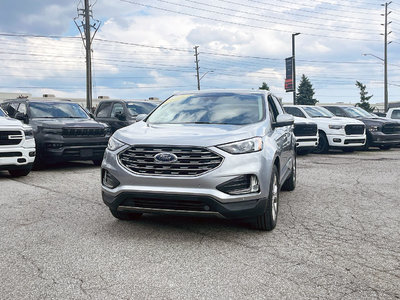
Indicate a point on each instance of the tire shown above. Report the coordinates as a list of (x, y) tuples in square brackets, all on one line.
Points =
[(303, 152), (125, 215), (323, 145), (290, 183), (97, 162), (348, 150), (385, 147), (267, 221), (19, 173), (367, 143)]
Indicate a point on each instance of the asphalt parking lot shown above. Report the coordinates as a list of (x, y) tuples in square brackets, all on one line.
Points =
[(337, 238)]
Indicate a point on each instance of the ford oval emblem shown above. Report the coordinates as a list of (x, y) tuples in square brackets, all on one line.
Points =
[(165, 157)]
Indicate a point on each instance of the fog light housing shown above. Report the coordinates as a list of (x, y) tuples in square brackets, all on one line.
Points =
[(243, 184), (337, 140), (109, 180), (32, 154), (55, 145)]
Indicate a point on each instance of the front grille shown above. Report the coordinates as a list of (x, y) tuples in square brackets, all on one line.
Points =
[(354, 129), (10, 137), (10, 154), (305, 129), (82, 132), (156, 203), (391, 128), (356, 141), (190, 161)]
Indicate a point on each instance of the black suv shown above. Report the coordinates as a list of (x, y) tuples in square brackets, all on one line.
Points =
[(121, 113), (381, 132), (62, 129)]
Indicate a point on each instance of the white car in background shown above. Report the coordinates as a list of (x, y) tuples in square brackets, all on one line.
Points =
[(393, 113), (334, 132), (17, 146), (306, 134)]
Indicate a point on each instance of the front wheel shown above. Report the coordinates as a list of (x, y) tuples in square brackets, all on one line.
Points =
[(323, 144), (290, 183), (19, 173), (267, 221)]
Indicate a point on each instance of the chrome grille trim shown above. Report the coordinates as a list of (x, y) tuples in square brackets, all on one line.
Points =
[(192, 161), (11, 137)]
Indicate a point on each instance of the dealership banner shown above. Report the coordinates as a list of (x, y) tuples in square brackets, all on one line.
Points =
[(289, 87)]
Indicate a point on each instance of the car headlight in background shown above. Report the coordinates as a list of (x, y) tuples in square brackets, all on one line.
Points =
[(373, 128), (336, 126), (246, 146), (114, 144), (28, 134)]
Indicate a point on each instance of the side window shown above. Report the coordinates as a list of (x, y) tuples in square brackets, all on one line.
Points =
[(22, 108), (12, 109), (273, 111), (278, 105), (104, 110), (294, 111), (396, 114), (117, 108)]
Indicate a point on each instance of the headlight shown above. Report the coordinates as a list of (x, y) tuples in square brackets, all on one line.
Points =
[(336, 126), (114, 144), (28, 134), (373, 128), (245, 146), (52, 130)]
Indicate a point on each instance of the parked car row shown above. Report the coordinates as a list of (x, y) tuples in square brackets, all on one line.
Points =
[(221, 153), (347, 127)]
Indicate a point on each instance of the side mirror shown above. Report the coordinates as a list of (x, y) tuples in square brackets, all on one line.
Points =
[(21, 116), (120, 116), (283, 120), (140, 117)]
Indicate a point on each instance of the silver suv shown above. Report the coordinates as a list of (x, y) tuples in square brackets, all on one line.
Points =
[(225, 153)]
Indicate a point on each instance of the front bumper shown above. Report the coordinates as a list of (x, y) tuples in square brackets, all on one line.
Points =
[(17, 157), (66, 149), (306, 142), (379, 138), (176, 194), (344, 141)]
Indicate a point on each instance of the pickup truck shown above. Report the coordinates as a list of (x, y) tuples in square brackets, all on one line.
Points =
[(17, 146), (334, 132)]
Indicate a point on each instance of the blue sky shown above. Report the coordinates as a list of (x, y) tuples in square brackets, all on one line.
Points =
[(145, 48)]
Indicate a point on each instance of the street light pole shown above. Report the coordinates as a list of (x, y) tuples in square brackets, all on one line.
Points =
[(294, 66)]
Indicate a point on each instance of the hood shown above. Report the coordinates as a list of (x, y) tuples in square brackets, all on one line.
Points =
[(337, 121), (298, 120), (378, 121), (202, 135), (5, 121), (66, 122)]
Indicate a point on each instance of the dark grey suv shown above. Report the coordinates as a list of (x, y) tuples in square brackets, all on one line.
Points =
[(224, 153)]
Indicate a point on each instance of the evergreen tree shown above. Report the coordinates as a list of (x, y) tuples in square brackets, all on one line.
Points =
[(364, 99), (305, 92), (264, 86)]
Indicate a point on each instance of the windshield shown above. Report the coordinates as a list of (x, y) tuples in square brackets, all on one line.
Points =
[(2, 113), (210, 108), (137, 108), (57, 110), (318, 112), (362, 112)]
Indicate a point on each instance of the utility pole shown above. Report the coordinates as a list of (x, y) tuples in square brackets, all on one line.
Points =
[(84, 28), (294, 66), (386, 94), (196, 54)]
